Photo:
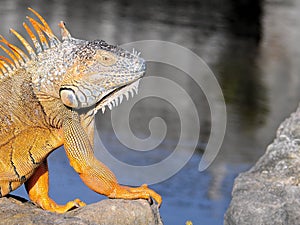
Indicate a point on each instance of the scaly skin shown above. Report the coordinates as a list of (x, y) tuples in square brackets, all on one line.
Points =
[(49, 98)]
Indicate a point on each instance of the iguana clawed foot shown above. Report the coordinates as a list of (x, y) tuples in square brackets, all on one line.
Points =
[(142, 192), (50, 205)]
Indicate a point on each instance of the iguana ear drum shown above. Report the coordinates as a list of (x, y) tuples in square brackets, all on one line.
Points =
[(68, 97)]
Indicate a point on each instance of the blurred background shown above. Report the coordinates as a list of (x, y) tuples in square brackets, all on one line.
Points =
[(250, 45)]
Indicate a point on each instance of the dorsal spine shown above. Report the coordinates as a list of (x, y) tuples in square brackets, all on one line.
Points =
[(16, 57)]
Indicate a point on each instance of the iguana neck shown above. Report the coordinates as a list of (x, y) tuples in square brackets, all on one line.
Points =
[(56, 113)]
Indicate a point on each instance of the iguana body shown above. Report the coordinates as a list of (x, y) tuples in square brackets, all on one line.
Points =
[(49, 99)]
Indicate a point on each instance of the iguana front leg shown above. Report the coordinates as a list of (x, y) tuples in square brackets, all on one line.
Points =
[(94, 173), (37, 187)]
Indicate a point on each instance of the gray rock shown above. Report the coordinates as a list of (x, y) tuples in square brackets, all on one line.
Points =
[(269, 193), (14, 210)]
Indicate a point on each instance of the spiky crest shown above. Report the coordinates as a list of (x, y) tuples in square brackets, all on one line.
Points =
[(45, 39)]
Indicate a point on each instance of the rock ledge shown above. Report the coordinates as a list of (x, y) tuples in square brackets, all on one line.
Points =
[(269, 193), (15, 210)]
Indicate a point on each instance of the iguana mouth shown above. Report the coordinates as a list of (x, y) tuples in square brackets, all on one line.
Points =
[(115, 97)]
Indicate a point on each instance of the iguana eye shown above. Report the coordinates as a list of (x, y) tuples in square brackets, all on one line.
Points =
[(105, 58)]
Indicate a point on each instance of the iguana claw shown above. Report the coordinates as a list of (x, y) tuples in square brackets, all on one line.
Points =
[(53, 207), (152, 194)]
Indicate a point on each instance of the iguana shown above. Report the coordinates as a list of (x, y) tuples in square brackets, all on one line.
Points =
[(49, 98)]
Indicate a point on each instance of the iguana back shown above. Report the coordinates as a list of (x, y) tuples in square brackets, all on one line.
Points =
[(18, 104)]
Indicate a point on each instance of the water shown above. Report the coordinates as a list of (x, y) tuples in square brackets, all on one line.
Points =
[(250, 48)]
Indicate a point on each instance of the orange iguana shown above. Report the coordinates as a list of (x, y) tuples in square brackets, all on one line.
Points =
[(48, 98)]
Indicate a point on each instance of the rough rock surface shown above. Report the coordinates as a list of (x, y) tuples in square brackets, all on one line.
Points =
[(14, 210), (269, 193)]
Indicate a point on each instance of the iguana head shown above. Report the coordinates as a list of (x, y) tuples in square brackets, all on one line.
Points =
[(80, 73), (100, 73)]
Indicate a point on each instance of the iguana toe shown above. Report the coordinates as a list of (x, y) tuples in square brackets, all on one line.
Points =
[(64, 208)]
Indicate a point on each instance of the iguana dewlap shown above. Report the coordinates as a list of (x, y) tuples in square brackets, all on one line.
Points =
[(48, 98)]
